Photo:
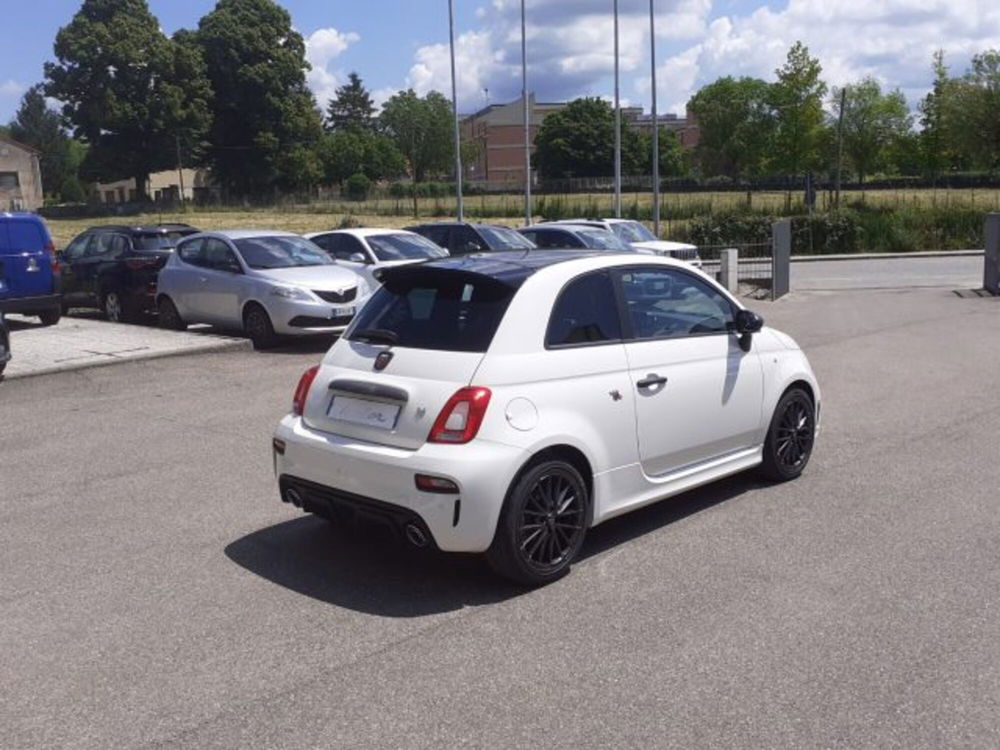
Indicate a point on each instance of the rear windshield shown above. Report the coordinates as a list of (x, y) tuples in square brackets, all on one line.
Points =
[(438, 310), (404, 247), (601, 239), (159, 240), (632, 231)]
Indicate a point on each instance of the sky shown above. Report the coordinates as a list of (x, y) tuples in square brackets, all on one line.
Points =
[(395, 44)]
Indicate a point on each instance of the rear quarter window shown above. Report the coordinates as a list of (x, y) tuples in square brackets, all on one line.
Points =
[(26, 236), (438, 310)]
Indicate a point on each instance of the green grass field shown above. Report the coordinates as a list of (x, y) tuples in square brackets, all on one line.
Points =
[(677, 209)]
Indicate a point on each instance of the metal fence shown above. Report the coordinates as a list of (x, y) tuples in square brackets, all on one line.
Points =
[(754, 271)]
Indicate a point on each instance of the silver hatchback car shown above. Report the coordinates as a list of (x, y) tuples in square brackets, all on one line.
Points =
[(267, 283)]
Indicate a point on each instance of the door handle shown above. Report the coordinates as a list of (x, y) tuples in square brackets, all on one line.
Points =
[(651, 380)]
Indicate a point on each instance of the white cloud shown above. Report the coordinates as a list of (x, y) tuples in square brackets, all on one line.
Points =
[(11, 88), (322, 47)]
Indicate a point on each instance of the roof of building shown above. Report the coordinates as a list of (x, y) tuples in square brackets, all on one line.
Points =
[(18, 144)]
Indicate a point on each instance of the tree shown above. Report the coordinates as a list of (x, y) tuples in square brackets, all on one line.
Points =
[(578, 141), (352, 107), (36, 125), (348, 152), (873, 122), (797, 100), (736, 127), (264, 116), (935, 142), (672, 161), (970, 115), (421, 129), (128, 90)]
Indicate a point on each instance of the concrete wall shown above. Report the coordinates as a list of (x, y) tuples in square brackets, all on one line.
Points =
[(20, 178), (162, 186)]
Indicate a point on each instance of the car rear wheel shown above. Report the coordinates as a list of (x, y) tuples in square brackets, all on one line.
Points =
[(257, 324), (542, 525), (168, 316), (50, 317), (790, 437)]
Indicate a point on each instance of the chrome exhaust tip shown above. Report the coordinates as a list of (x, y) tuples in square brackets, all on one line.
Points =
[(414, 535)]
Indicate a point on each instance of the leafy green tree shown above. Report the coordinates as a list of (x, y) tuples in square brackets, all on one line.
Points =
[(672, 157), (343, 153), (873, 122), (578, 141), (736, 127), (128, 90), (262, 110), (797, 101), (971, 113), (421, 129), (352, 107), (35, 124)]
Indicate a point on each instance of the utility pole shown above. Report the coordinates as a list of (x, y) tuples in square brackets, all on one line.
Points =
[(840, 145), (454, 111), (618, 127), (656, 127), (180, 166), (527, 120)]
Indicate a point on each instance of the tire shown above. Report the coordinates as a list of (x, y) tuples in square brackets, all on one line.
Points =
[(257, 325), (167, 315), (790, 437), (50, 317), (536, 542), (114, 307)]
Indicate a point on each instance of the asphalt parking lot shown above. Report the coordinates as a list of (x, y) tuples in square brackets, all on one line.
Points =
[(155, 592)]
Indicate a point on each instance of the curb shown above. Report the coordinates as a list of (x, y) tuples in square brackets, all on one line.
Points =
[(887, 256), (220, 346)]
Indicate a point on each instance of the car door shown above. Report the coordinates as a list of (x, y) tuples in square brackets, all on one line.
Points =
[(698, 394), (88, 268), (186, 276), (464, 240), (222, 283), (69, 261)]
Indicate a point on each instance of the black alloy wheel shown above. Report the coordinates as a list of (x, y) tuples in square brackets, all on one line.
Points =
[(167, 315), (790, 438), (542, 525)]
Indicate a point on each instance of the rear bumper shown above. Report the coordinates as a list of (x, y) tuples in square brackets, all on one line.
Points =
[(31, 304), (347, 473)]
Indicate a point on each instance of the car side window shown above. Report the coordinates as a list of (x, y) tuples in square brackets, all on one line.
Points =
[(77, 248), (118, 244), (342, 246), (219, 257), (586, 312), (192, 252), (557, 238), (465, 240), (437, 235), (670, 303)]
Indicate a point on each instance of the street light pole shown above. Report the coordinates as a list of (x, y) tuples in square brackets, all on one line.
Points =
[(618, 126), (656, 127), (527, 120), (454, 111)]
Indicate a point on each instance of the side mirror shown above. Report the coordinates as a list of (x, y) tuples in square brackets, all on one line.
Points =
[(357, 258), (233, 266), (746, 324)]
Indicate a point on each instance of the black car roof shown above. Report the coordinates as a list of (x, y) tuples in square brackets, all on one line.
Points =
[(510, 268), (142, 229), (457, 224)]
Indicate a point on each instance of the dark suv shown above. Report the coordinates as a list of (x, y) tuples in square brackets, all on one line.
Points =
[(114, 268), (461, 238)]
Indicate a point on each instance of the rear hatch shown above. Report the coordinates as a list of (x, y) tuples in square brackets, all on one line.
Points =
[(418, 340), (25, 261)]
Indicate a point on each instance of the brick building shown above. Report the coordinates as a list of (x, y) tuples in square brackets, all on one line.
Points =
[(20, 177)]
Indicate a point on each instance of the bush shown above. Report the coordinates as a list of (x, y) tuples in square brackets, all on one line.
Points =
[(357, 187)]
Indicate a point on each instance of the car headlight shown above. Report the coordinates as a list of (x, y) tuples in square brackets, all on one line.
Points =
[(363, 288), (290, 292)]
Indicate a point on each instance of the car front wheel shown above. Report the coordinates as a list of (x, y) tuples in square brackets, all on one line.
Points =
[(542, 524), (257, 324), (790, 437), (168, 317)]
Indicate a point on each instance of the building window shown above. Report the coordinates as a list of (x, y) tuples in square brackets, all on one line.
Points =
[(9, 181)]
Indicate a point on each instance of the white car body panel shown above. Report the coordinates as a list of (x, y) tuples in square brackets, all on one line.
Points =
[(582, 397), (367, 270)]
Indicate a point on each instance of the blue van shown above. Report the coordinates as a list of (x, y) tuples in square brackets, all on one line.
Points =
[(29, 268)]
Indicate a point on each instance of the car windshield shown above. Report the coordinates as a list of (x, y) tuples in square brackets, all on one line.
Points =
[(159, 240), (600, 239), (264, 253), (632, 231), (501, 238), (404, 247)]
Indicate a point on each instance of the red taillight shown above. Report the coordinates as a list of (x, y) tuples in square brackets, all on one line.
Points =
[(302, 390), (53, 257), (461, 417)]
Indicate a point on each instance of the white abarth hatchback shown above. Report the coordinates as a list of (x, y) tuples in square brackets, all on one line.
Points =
[(506, 403)]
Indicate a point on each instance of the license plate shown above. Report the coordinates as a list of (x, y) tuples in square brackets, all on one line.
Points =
[(364, 412), (342, 312)]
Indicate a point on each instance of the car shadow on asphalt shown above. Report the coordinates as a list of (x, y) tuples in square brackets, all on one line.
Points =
[(367, 569)]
